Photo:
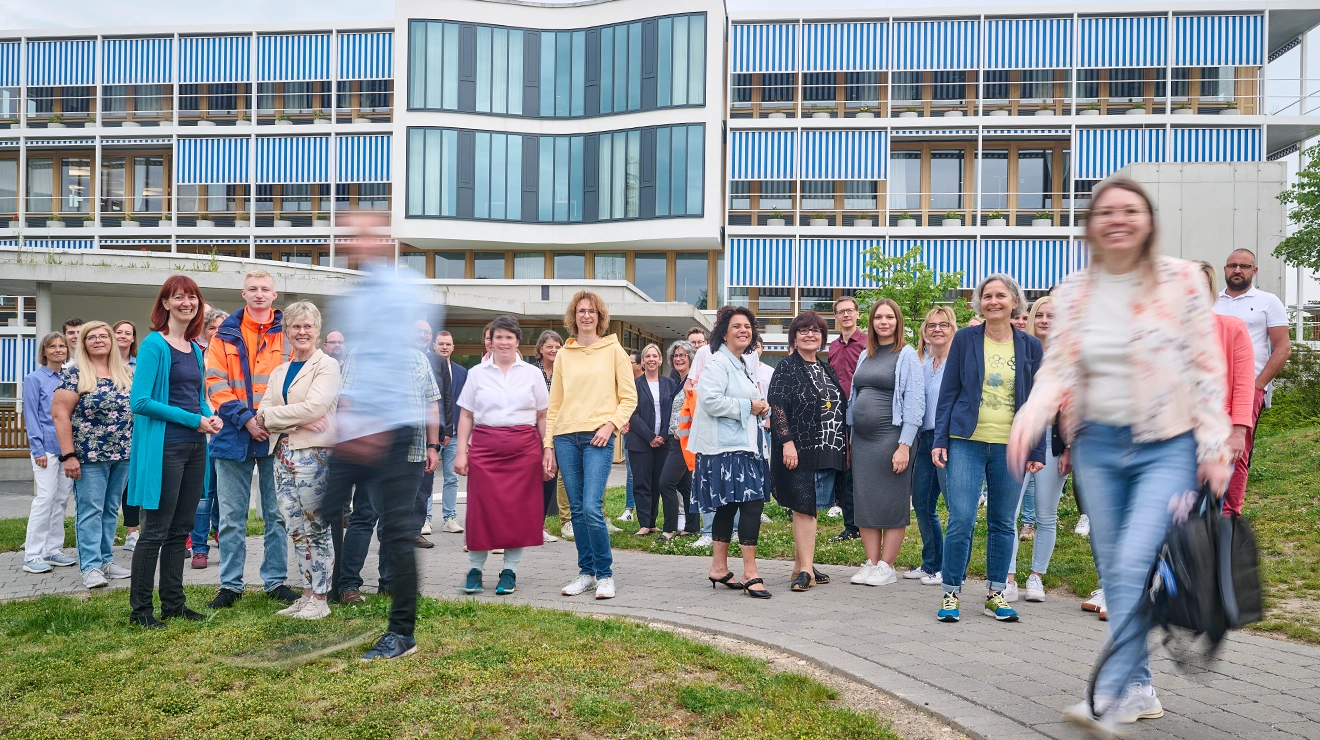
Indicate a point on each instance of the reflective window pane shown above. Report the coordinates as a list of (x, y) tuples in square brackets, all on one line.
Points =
[(483, 68), (694, 170), (450, 265), (650, 274), (561, 178), (481, 177), (547, 74), (679, 61), (545, 182), (607, 69), (608, 266), (662, 167), (499, 148), (488, 265), (678, 169), (635, 66), (690, 279), (946, 180), (529, 266), (575, 178), (904, 180), (570, 266), (563, 72), (994, 180), (696, 60), (665, 61), (579, 76)]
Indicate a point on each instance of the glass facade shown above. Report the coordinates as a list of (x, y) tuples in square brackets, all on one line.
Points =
[(653, 172), (643, 65)]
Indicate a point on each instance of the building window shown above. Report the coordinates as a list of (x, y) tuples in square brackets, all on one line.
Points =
[(1034, 179), (76, 176), (1037, 84), (818, 195), (691, 273), (8, 186), (451, 266), (996, 84), (529, 266), (863, 87), (432, 172), (904, 180), (488, 265), (818, 86), (907, 85), (777, 194), (415, 261), (994, 180), (1125, 83), (778, 87), (651, 275), (1088, 84), (946, 180), (149, 184), (859, 195), (949, 86), (609, 266), (570, 266), (740, 195), (112, 184)]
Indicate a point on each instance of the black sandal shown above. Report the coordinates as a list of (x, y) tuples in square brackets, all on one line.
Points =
[(820, 577), (802, 581), (759, 593), (727, 580)]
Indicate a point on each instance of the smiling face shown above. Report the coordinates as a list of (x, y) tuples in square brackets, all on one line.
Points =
[(124, 335), (504, 345), (303, 335), (1120, 223), (71, 335), (1044, 317), (98, 342), (681, 361), (444, 345), (57, 351), (845, 314), (697, 339), (739, 335), (651, 360), (996, 302), (809, 339), (259, 293), (586, 317), (883, 321), (182, 307), (938, 331), (550, 350)]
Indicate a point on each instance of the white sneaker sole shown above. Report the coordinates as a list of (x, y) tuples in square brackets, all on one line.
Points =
[(1036, 598), (29, 569)]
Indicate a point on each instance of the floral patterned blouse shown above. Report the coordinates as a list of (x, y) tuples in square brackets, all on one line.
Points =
[(102, 420)]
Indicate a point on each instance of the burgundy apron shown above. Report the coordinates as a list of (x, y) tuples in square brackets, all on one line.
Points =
[(504, 500)]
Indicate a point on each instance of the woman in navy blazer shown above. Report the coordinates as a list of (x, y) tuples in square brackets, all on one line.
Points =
[(991, 367), (647, 442)]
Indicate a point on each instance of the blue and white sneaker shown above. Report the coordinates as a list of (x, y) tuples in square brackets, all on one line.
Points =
[(948, 608), (60, 560), (473, 584), (37, 566), (997, 606)]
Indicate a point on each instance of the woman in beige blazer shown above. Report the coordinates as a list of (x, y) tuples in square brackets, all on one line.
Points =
[(299, 412)]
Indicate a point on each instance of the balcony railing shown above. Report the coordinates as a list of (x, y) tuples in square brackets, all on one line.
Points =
[(906, 210)]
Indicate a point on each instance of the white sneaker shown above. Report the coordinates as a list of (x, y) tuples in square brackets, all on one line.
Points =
[(702, 541), (934, 579), (881, 575), (1035, 589), (566, 531), (94, 578), (765, 518), (547, 537), (605, 588), (451, 526), (579, 585), (914, 573), (627, 515), (860, 576), (295, 607), (980, 502), (1096, 603), (426, 527), (1011, 592), (130, 542), (609, 527), (834, 512), (116, 572), (1083, 526), (313, 609), (1136, 704), (682, 522)]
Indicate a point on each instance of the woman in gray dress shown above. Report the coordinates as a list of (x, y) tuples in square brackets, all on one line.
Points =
[(885, 411)]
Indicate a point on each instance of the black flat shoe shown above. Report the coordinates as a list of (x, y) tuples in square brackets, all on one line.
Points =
[(820, 577), (845, 535), (727, 580), (184, 613), (755, 593), (802, 582), (147, 622)]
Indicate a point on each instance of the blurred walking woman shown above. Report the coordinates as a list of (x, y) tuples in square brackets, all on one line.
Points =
[(1137, 374), (299, 412), (44, 547), (989, 377), (94, 424), (171, 418), (885, 411), (591, 396), (500, 429), (731, 474), (809, 443)]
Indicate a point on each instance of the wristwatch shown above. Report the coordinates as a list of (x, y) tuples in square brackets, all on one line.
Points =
[(74, 455), (435, 447)]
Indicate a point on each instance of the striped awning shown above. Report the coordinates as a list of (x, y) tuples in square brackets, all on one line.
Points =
[(939, 132), (212, 240), (834, 263), (764, 47), (215, 59), (761, 263), (1103, 151), (60, 142), (293, 159), (937, 45), (1027, 132), (844, 47), (133, 242), (61, 62), (211, 161), (366, 56), (1213, 40), (135, 141), (8, 142), (1034, 43), (1140, 41), (18, 357), (293, 57), (762, 155), (60, 243), (845, 155), (363, 158), (10, 53), (295, 240), (138, 61), (1036, 264), (1216, 144), (944, 256)]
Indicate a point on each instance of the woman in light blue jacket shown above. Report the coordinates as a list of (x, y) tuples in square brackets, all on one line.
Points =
[(732, 470), (885, 411)]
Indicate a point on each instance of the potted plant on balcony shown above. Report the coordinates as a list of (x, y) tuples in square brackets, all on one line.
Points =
[(1000, 112), (323, 220), (996, 219), (863, 220), (1183, 109), (1230, 109), (280, 222), (89, 121), (203, 222), (166, 221), (820, 111), (282, 119), (319, 118), (129, 222), (54, 221), (865, 112), (1091, 109), (1137, 109), (952, 218), (905, 221), (776, 114), (1043, 218), (1043, 112), (202, 122), (243, 120), (242, 220), (911, 112), (955, 113), (359, 118), (819, 219), (776, 218), (55, 121)]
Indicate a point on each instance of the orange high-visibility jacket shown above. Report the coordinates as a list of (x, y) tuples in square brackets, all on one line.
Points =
[(239, 362)]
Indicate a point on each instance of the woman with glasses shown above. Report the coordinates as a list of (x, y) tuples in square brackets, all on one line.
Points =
[(44, 547), (127, 344), (675, 478), (928, 481), (552, 490), (646, 442)]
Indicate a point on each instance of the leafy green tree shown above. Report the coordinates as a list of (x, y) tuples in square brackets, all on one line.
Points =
[(909, 282), (1302, 247)]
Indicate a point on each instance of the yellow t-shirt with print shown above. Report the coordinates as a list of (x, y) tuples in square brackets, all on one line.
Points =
[(997, 393)]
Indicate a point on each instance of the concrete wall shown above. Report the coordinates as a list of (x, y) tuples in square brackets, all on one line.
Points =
[(1206, 210)]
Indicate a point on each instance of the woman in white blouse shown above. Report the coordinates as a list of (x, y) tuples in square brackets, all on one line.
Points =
[(500, 426)]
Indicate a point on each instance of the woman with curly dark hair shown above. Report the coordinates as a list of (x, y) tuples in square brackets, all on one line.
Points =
[(809, 438)]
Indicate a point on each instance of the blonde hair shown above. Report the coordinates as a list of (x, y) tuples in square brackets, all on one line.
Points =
[(598, 303), (300, 310), (121, 374), (1035, 308), (941, 311), (873, 338), (258, 274), (659, 353)]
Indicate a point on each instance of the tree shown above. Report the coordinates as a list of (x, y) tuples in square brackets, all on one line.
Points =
[(909, 282), (1302, 247)]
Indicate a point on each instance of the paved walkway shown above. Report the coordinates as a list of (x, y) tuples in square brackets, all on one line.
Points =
[(995, 681)]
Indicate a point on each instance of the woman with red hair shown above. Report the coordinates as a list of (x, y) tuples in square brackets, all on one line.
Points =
[(171, 419)]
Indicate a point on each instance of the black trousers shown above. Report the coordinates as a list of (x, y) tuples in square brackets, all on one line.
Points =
[(749, 522), (676, 489), (391, 482), (132, 514), (843, 495), (163, 531), (424, 491), (647, 469)]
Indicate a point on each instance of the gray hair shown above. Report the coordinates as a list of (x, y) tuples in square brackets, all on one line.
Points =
[(684, 345), (303, 310), (212, 315), (1015, 290)]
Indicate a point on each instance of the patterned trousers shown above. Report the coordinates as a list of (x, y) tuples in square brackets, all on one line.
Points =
[(300, 478)]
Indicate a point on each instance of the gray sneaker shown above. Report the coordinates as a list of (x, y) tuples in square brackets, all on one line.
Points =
[(94, 578), (37, 566), (116, 572), (451, 526), (60, 560)]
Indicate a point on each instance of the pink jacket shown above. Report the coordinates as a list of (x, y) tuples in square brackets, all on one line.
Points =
[(1240, 361), (1177, 366)]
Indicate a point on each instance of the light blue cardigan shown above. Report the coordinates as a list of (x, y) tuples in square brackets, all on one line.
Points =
[(909, 395), (150, 401)]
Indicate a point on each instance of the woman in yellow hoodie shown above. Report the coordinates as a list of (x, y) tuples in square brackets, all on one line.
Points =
[(592, 394)]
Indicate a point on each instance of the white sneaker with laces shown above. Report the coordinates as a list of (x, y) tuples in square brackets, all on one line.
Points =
[(547, 537), (580, 585), (860, 576), (682, 522), (566, 531), (426, 527), (934, 579), (116, 572), (451, 526), (1083, 526), (605, 588), (313, 609), (627, 515), (94, 578), (1096, 603), (295, 607), (609, 527), (882, 574), (834, 512), (1136, 704), (130, 542), (914, 573), (702, 541), (765, 518), (1035, 589), (1011, 592)]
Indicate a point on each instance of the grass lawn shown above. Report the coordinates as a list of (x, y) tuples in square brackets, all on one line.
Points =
[(74, 668), (14, 531)]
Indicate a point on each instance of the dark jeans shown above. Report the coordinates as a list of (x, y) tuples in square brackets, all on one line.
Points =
[(843, 496), (207, 519), (424, 490), (132, 514), (355, 548), (928, 482), (647, 468), (391, 487), (676, 481), (548, 502), (749, 522), (164, 530)]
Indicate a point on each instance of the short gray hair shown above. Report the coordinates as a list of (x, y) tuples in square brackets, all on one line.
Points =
[(684, 345), (212, 315), (303, 310), (1015, 290)]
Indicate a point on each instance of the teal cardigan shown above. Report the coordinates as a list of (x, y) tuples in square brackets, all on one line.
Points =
[(151, 409)]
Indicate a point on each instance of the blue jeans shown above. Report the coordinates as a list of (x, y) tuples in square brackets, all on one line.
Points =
[(233, 493), (825, 488), (969, 464), (97, 495), (1048, 485), (586, 469), (628, 502), (928, 482), (1127, 486), (449, 494), (352, 554), (1029, 500), (206, 519)]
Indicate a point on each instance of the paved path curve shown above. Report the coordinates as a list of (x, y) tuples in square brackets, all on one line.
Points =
[(995, 681)]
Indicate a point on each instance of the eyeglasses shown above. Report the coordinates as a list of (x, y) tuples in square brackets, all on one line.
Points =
[(1238, 266), (845, 311), (1110, 214), (586, 312), (941, 325), (811, 330)]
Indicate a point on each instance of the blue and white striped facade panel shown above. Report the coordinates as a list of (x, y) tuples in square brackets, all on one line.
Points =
[(366, 56), (944, 256), (845, 155), (58, 63), (10, 55), (212, 161), (1029, 43), (844, 47), (363, 158), (764, 47), (1103, 151), (841, 263), (936, 45), (293, 57), (215, 59), (138, 61), (293, 159), (1218, 40), (762, 155), (1035, 264), (1137, 41), (18, 357), (761, 263), (1216, 144)]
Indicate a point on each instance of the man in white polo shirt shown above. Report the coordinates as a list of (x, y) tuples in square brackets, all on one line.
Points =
[(1267, 323)]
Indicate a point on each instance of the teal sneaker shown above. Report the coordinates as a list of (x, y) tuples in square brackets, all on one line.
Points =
[(948, 608), (473, 584), (997, 606), (508, 583)]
